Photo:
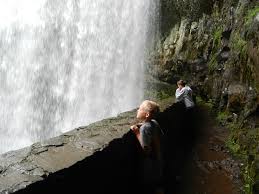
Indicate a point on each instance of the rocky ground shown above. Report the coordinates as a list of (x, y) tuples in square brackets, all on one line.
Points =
[(210, 168)]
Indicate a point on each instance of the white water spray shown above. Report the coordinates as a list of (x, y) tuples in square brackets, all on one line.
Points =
[(66, 63)]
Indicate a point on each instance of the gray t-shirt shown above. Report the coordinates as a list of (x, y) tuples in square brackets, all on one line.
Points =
[(149, 132), (152, 164)]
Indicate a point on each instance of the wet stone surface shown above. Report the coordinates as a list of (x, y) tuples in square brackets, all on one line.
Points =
[(210, 168), (21, 168)]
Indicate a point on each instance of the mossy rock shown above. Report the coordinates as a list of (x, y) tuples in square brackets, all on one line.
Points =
[(251, 14)]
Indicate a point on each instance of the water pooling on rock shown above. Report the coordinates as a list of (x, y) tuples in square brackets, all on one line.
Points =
[(66, 63)]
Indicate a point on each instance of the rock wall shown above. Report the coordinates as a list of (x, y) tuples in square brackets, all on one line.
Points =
[(215, 48), (99, 158), (97, 154)]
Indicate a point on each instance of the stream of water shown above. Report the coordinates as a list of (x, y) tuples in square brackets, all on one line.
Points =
[(67, 63)]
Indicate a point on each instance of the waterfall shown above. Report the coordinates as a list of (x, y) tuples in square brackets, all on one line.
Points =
[(67, 63)]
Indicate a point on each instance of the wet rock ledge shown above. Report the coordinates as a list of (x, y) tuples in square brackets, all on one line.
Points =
[(40, 162), (98, 158)]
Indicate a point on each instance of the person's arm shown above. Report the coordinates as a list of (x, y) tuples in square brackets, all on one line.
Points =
[(145, 138), (143, 134), (191, 92), (135, 130)]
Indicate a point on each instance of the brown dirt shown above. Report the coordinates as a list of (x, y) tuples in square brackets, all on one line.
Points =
[(210, 168)]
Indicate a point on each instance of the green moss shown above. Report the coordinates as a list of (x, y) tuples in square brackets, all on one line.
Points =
[(192, 54), (247, 74), (232, 145), (216, 46), (217, 37), (251, 14), (222, 116), (212, 64), (158, 91), (163, 95), (216, 11), (199, 100), (243, 143), (239, 44), (249, 176), (208, 104)]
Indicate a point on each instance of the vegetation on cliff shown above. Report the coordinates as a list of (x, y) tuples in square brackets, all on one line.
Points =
[(215, 47)]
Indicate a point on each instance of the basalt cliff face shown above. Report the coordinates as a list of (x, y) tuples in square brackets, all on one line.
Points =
[(214, 46)]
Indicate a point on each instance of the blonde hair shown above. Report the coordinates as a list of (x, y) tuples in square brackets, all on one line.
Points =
[(151, 107)]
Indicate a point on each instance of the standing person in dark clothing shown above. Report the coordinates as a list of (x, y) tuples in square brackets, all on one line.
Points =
[(184, 94), (148, 133)]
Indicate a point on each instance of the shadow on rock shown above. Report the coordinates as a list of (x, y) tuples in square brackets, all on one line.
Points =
[(181, 132), (111, 170), (114, 169)]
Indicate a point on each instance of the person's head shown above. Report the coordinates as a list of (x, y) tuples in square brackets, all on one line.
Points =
[(147, 110), (181, 84)]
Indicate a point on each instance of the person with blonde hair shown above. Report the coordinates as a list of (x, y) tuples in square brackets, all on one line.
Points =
[(148, 133)]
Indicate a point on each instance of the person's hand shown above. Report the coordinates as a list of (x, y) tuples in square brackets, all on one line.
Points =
[(135, 128)]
